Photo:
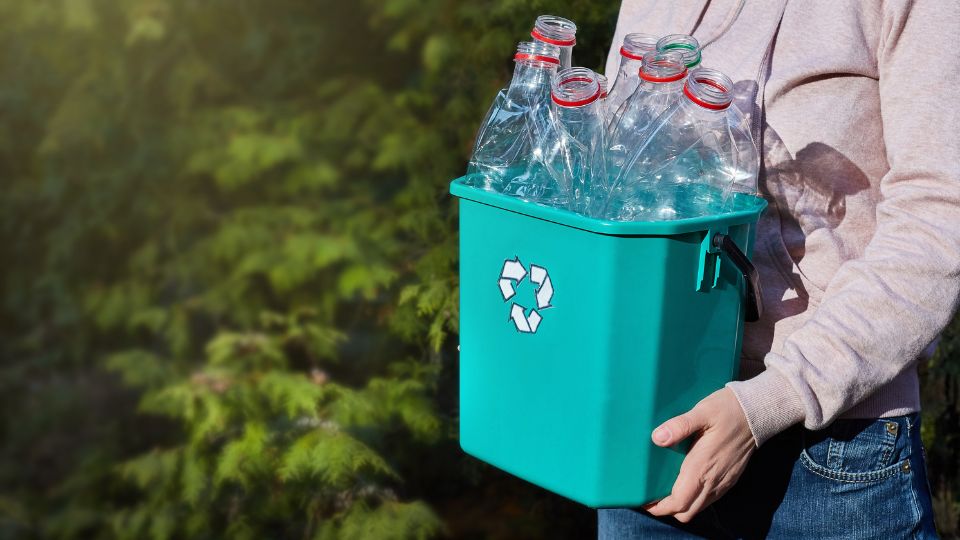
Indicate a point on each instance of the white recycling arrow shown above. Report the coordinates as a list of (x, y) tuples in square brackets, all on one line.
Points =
[(545, 294), (506, 288), (539, 275), (513, 270), (534, 320), (519, 319)]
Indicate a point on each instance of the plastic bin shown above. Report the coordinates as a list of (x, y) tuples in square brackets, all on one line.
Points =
[(579, 336)]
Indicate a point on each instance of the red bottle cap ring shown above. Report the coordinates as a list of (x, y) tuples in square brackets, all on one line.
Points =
[(704, 104), (535, 34), (627, 54), (580, 102), (536, 58), (654, 79)]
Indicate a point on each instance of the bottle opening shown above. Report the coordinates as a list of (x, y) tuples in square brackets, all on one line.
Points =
[(636, 45), (555, 31), (537, 53), (709, 89), (686, 45), (663, 67), (575, 87)]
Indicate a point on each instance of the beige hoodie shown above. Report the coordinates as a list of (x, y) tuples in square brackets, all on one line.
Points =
[(855, 105)]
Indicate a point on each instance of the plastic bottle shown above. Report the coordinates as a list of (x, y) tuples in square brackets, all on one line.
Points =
[(501, 157), (557, 31), (602, 81), (571, 142), (688, 46), (695, 158), (631, 57), (661, 82)]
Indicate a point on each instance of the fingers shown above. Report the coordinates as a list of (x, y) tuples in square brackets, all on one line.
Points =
[(678, 428), (684, 493), (705, 498)]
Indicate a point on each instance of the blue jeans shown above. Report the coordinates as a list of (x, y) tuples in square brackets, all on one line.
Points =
[(855, 479)]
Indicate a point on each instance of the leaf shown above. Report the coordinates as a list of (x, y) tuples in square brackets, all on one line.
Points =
[(140, 368), (365, 279), (243, 459), (193, 477), (332, 457), (294, 394), (154, 470), (245, 350), (391, 521)]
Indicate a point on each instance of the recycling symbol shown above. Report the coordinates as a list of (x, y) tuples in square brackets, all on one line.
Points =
[(512, 275)]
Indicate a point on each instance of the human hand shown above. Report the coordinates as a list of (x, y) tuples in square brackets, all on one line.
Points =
[(716, 458)]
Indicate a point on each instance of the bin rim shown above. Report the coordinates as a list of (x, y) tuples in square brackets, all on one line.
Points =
[(753, 207)]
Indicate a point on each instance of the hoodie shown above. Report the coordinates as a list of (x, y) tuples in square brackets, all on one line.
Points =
[(855, 107)]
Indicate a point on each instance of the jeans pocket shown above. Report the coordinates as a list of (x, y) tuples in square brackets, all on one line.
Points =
[(858, 450)]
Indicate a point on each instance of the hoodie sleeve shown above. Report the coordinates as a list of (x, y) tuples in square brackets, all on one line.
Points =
[(881, 310)]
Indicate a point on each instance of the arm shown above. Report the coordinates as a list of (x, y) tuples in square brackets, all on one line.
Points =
[(880, 311)]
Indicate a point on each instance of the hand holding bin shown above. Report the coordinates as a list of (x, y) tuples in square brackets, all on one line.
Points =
[(590, 316)]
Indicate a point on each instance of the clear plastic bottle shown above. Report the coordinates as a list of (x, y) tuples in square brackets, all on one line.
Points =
[(557, 31), (686, 45), (661, 83), (695, 158), (501, 157), (570, 142), (631, 58), (602, 80)]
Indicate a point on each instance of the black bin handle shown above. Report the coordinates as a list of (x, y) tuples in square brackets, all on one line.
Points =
[(751, 279)]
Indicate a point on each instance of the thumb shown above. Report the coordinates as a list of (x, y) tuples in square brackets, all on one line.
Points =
[(678, 428)]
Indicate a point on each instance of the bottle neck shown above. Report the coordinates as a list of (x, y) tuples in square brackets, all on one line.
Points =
[(709, 89), (555, 31), (575, 93), (636, 46), (687, 46), (531, 78), (628, 68), (691, 57), (663, 72), (559, 32), (662, 87), (575, 87)]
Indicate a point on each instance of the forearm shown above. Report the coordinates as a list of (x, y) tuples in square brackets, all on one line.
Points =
[(880, 310)]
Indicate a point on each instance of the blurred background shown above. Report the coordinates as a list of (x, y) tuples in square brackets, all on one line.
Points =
[(229, 271)]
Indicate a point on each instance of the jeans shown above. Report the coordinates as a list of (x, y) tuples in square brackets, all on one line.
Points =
[(854, 479)]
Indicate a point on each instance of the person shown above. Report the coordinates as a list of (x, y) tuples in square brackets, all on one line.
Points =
[(854, 107)]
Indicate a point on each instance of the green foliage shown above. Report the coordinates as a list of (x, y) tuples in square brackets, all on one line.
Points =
[(230, 298)]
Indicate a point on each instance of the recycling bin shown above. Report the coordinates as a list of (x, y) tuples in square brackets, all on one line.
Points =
[(579, 336)]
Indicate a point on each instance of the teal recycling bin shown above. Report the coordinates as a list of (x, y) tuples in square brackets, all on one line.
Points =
[(579, 336)]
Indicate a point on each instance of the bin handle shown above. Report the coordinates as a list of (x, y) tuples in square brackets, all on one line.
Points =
[(751, 279)]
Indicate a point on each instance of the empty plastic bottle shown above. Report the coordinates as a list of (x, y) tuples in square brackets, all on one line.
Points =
[(571, 142), (602, 81), (688, 46), (502, 155), (661, 82), (631, 57), (694, 159), (557, 31)]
